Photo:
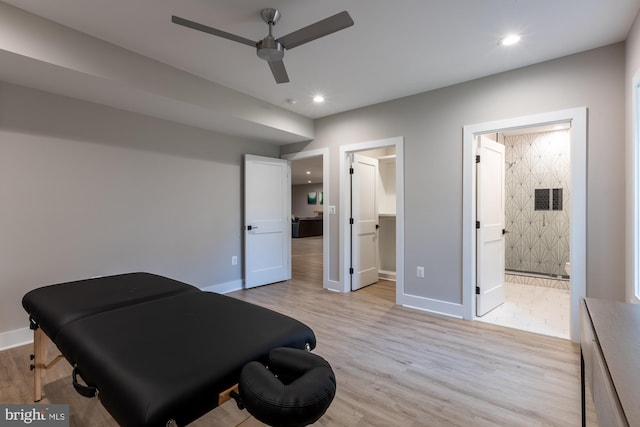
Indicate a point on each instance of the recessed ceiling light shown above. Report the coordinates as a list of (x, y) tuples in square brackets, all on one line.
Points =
[(509, 40), (308, 172), (309, 182), (318, 99)]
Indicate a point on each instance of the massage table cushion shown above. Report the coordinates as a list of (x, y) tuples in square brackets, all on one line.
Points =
[(54, 306)]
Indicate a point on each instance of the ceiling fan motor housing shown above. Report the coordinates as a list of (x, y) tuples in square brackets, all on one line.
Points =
[(270, 49)]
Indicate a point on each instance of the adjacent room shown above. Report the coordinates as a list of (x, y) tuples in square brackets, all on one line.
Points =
[(307, 220), (436, 203), (537, 217)]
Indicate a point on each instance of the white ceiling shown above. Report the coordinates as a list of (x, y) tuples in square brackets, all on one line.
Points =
[(305, 170), (395, 49)]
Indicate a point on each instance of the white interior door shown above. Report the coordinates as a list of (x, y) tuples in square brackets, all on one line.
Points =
[(364, 213), (490, 236), (267, 231)]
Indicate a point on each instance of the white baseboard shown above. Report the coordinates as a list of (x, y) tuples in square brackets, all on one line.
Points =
[(387, 275), (15, 338), (333, 285), (432, 305), (224, 288)]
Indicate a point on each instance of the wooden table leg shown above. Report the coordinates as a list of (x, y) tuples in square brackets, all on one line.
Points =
[(40, 350), (226, 395)]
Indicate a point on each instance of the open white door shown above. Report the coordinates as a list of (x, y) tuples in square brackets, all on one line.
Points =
[(364, 214), (267, 231), (490, 216)]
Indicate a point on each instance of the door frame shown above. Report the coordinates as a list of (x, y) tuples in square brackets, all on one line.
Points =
[(324, 153), (345, 197), (578, 151)]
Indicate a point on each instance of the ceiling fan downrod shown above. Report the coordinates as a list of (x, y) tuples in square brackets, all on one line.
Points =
[(269, 48)]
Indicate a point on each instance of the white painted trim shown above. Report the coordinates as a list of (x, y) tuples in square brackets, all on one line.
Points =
[(387, 275), (400, 215), (345, 196), (578, 132), (224, 288), (633, 288), (433, 306), (334, 285), (343, 219), (326, 220), (15, 338)]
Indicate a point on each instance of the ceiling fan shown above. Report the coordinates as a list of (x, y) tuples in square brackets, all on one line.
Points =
[(271, 49)]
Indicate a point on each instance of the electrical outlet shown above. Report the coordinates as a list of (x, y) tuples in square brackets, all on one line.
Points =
[(420, 271), (234, 260)]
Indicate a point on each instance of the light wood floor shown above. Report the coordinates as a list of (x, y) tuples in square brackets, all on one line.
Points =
[(394, 366)]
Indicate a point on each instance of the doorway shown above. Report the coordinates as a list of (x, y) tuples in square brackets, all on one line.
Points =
[(309, 203), (578, 139), (373, 210), (389, 151), (533, 266), (307, 215)]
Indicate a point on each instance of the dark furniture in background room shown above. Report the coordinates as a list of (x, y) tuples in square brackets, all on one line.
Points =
[(306, 227)]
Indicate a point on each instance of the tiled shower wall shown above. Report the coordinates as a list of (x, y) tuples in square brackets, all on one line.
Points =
[(537, 241)]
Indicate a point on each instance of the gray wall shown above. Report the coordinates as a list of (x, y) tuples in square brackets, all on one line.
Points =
[(299, 205), (88, 190), (432, 126)]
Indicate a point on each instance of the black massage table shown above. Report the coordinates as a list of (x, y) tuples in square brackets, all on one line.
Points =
[(155, 351)]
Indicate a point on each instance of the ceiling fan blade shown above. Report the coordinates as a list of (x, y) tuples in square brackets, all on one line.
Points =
[(322, 28), (278, 71), (211, 30)]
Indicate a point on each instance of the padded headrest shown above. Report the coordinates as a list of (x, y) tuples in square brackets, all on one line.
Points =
[(295, 389)]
